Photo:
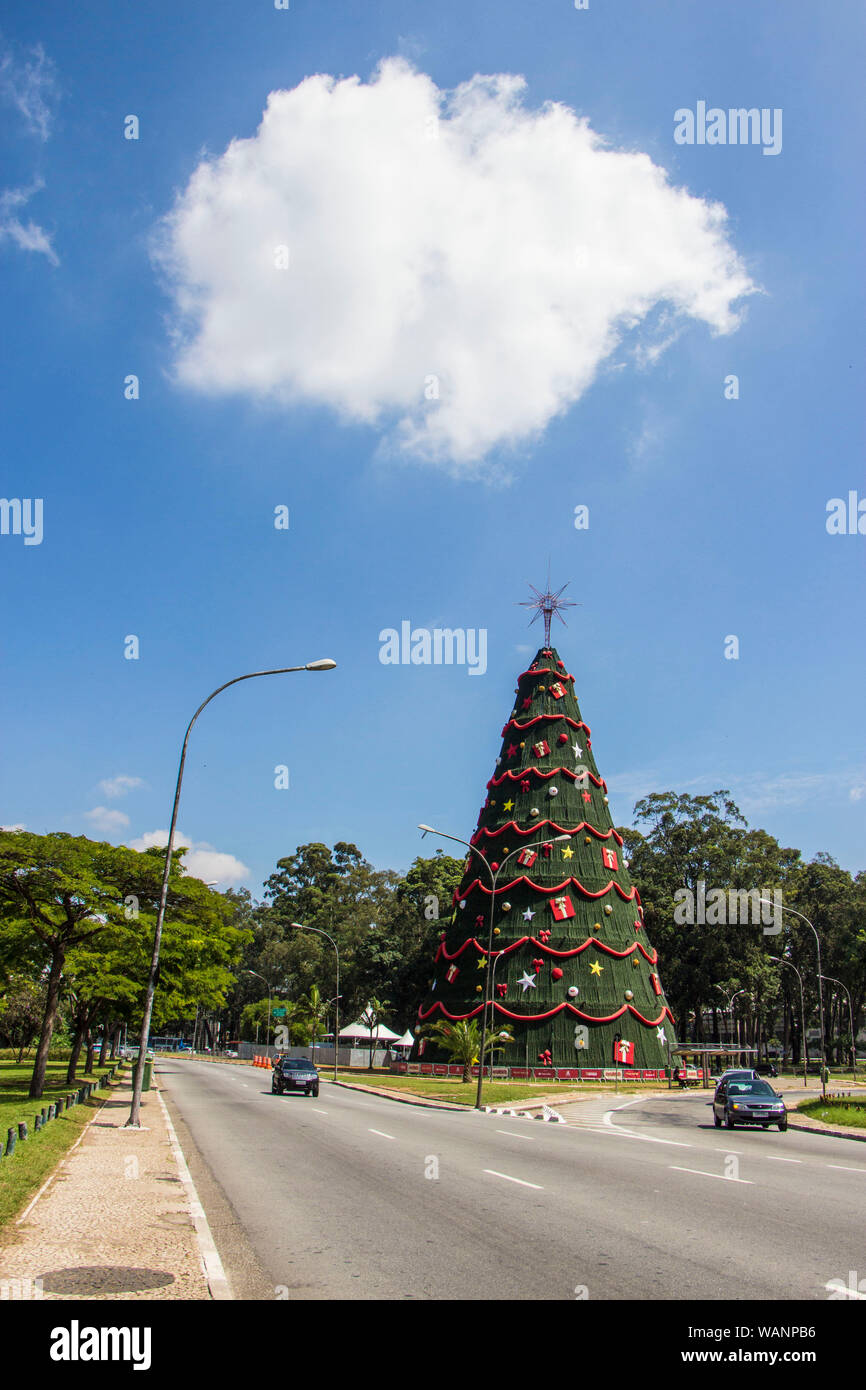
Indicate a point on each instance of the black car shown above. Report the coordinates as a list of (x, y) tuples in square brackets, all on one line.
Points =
[(295, 1074), (748, 1102)]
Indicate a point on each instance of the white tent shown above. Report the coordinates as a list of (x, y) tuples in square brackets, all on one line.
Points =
[(406, 1041), (362, 1031)]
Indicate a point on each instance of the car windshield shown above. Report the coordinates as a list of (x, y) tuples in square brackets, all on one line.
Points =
[(295, 1063), (750, 1088)]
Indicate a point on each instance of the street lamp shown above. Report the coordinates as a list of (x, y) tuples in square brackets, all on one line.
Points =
[(267, 983), (780, 960), (830, 979), (488, 974), (299, 926), (134, 1121), (795, 913), (731, 1010)]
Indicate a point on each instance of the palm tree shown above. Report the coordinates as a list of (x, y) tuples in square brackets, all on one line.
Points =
[(372, 1016), (462, 1042), (312, 1010)]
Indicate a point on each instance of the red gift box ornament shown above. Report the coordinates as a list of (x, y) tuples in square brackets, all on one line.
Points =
[(527, 858), (557, 690), (656, 983), (556, 973), (609, 859), (541, 749), (562, 907), (623, 1052), (451, 973)]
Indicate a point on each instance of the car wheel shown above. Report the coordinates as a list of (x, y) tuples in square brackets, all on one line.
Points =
[(316, 1093), (717, 1122), (729, 1123), (783, 1125)]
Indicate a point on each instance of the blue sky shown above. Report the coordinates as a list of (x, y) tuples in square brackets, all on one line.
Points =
[(707, 515)]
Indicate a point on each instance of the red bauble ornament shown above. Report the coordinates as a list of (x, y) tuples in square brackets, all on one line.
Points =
[(556, 973)]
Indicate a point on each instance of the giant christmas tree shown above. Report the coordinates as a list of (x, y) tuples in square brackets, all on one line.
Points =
[(571, 974)]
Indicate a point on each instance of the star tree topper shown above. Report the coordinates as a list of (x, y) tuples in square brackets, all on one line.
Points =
[(547, 604)]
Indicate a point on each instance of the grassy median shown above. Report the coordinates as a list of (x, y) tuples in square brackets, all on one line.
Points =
[(835, 1112), (35, 1158), (495, 1092)]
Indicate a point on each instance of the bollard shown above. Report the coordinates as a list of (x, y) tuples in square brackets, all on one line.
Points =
[(22, 1129), (52, 1111), (37, 1123), (11, 1136), (44, 1116)]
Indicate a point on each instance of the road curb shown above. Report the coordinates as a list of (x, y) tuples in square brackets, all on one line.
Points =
[(825, 1129), (212, 1265), (404, 1100)]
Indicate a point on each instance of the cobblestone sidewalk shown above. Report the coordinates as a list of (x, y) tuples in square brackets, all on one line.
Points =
[(118, 1219)]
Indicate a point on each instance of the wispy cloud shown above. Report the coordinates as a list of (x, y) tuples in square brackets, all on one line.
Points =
[(27, 236), (102, 818), (29, 84), (119, 786)]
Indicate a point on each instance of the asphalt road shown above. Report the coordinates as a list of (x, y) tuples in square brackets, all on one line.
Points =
[(354, 1196)]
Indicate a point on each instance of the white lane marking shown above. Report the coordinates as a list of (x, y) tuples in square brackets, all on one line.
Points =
[(699, 1172), (631, 1134), (833, 1287), (727, 1151), (515, 1135), (381, 1132), (843, 1167), (508, 1178), (772, 1159), (215, 1274), (318, 1112), (647, 1138)]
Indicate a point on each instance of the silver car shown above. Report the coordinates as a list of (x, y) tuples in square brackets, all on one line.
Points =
[(748, 1101)]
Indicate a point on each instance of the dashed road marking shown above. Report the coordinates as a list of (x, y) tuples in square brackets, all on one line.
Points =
[(381, 1132), (843, 1167), (514, 1135), (493, 1173), (699, 1172)]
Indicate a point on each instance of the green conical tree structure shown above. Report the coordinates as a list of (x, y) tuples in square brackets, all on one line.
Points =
[(571, 973)]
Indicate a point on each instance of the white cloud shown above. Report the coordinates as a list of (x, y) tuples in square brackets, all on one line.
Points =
[(119, 786), (13, 827), (201, 860), (857, 793), (29, 84), (101, 818), (27, 236), (507, 252)]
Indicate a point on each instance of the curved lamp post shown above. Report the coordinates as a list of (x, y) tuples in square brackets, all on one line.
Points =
[(830, 980), (795, 913), (488, 974), (267, 983), (299, 926), (780, 960), (134, 1121)]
